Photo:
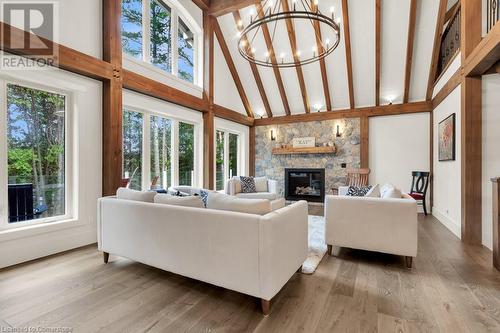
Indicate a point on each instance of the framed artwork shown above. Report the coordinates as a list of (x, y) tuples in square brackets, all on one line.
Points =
[(447, 139)]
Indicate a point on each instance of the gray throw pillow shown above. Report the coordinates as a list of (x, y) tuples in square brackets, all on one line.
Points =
[(247, 185)]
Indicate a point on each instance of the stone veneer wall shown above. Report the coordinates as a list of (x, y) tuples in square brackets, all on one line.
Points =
[(348, 150)]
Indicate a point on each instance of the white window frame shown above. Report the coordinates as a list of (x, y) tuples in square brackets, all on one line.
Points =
[(146, 146), (69, 195), (176, 13), (225, 166)]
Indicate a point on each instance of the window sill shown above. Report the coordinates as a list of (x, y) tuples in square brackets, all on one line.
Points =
[(37, 229), (150, 71)]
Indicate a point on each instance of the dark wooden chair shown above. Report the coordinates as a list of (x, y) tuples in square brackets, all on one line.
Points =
[(125, 182), (358, 177), (419, 186)]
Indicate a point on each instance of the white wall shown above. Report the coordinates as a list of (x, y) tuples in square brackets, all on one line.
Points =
[(84, 106), (398, 145), (447, 174), (491, 151)]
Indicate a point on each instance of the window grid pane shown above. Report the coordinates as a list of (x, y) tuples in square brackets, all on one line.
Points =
[(132, 148), (36, 153), (186, 153), (131, 22), (161, 155), (219, 161), (185, 62), (161, 19)]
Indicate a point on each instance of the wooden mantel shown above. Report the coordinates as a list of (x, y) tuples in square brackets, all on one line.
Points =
[(311, 150), (496, 222)]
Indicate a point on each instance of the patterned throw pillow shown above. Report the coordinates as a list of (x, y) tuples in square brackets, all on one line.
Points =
[(354, 191), (204, 197), (247, 185)]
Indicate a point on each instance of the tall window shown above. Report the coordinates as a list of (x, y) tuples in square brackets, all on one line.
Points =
[(186, 154), (36, 137), (155, 33), (219, 160), (226, 157), (161, 151), (132, 148)]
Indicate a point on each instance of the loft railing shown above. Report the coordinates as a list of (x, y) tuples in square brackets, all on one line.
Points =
[(450, 42), (492, 13)]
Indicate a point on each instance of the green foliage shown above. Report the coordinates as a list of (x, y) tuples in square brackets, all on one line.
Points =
[(20, 161)]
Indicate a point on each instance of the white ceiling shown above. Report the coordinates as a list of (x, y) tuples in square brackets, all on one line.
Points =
[(394, 33)]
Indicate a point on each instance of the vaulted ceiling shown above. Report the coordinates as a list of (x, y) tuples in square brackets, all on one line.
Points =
[(394, 21)]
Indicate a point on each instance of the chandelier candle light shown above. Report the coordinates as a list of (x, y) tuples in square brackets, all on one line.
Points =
[(308, 12)]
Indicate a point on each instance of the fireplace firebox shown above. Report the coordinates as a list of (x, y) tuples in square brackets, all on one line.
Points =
[(305, 184)]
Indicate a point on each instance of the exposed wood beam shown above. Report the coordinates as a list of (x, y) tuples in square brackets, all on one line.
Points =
[(347, 39), (208, 91), (272, 55), (378, 23), (255, 71), (147, 86), (437, 45), (228, 114), (293, 44), (232, 68), (322, 63), (112, 99), (383, 110), (202, 4), (222, 7), (409, 49), (471, 128), (452, 83), (69, 59), (485, 55), (251, 151), (365, 141)]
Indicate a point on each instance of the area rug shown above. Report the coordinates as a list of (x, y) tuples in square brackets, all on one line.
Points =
[(317, 245)]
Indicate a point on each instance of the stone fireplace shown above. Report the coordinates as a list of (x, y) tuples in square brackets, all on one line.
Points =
[(305, 184)]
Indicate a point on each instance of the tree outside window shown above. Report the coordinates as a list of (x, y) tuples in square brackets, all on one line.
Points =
[(219, 160), (186, 153), (132, 148)]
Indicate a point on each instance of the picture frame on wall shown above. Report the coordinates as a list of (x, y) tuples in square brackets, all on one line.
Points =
[(447, 138)]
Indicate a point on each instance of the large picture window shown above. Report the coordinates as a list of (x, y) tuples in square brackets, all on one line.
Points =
[(36, 154), (150, 157), (226, 157), (153, 31)]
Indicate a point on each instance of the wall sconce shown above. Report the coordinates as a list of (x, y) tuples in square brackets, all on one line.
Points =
[(338, 135), (273, 135)]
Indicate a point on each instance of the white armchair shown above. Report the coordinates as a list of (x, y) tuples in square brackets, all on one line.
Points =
[(266, 189), (373, 224)]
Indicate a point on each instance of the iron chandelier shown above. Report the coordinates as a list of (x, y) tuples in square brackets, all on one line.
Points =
[(272, 15)]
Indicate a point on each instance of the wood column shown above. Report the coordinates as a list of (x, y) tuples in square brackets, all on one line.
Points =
[(471, 128), (251, 151), (496, 223), (112, 99), (365, 140), (208, 117)]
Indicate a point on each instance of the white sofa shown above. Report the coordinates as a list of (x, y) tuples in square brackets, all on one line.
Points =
[(251, 254), (268, 191), (373, 224)]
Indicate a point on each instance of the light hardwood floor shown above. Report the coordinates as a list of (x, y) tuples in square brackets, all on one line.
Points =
[(452, 288)]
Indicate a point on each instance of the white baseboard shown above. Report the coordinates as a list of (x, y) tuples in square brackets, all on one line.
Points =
[(451, 225)]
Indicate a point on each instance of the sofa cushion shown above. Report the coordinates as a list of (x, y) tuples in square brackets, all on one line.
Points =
[(261, 184), (374, 192), (355, 191), (258, 195), (247, 184), (191, 201), (393, 193), (129, 194), (221, 201), (237, 184)]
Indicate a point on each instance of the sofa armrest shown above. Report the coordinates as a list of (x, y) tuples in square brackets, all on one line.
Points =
[(272, 186), (283, 246), (230, 188)]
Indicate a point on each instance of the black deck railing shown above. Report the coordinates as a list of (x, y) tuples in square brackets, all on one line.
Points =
[(492, 13), (450, 42)]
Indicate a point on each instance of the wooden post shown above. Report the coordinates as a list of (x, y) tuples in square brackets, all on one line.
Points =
[(471, 128), (208, 117), (251, 151), (496, 222), (365, 137), (112, 99)]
